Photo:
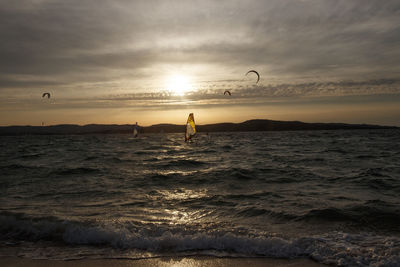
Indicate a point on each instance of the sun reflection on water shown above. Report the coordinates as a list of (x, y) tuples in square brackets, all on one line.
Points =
[(174, 216), (181, 194)]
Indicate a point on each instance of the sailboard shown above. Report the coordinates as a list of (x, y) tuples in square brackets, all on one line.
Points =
[(190, 128), (135, 131)]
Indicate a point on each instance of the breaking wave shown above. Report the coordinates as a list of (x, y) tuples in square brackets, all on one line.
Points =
[(333, 248)]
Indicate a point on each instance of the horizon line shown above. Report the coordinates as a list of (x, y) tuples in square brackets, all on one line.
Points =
[(165, 123)]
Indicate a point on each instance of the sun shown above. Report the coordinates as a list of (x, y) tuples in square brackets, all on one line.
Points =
[(178, 84)]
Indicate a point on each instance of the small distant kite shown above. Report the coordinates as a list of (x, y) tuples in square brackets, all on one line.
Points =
[(258, 75), (46, 94), (227, 92)]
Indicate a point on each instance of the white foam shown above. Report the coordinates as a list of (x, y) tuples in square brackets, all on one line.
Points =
[(335, 248), (338, 248)]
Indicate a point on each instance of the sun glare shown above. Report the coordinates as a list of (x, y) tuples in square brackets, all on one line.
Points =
[(178, 84)]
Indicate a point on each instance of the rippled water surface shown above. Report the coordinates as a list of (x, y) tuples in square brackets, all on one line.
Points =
[(329, 195)]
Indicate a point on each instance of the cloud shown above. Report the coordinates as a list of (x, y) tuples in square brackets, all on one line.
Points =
[(97, 45), (283, 94), (315, 89)]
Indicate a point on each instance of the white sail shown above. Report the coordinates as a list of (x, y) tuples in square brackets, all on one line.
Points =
[(135, 130)]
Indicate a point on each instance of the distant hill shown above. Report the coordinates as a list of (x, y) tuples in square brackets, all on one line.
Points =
[(67, 129), (250, 125)]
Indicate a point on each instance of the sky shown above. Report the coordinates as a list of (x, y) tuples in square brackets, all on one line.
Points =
[(126, 61)]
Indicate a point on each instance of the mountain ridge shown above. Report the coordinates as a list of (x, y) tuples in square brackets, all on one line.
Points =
[(248, 125)]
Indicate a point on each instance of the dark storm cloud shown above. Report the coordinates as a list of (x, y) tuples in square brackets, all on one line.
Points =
[(103, 41)]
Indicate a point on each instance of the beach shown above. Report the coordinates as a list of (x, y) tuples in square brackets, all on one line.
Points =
[(162, 262)]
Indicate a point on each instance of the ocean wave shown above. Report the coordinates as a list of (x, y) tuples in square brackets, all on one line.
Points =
[(336, 150), (256, 195), (31, 156), (336, 248), (77, 170), (225, 174), (378, 179), (365, 156), (91, 158), (19, 167), (119, 160), (185, 163), (367, 216), (373, 172), (253, 212), (243, 174)]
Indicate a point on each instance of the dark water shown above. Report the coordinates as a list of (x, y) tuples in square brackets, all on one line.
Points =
[(332, 196)]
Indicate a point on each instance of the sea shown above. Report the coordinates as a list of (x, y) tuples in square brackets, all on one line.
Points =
[(330, 196)]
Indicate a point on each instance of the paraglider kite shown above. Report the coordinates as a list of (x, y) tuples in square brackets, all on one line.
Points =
[(227, 92), (46, 94), (258, 75)]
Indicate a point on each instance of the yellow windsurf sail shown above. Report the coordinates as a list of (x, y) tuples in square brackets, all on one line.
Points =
[(190, 127)]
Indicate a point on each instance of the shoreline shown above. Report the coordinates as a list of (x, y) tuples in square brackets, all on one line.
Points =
[(161, 261)]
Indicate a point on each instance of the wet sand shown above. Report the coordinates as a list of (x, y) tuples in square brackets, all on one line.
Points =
[(163, 261)]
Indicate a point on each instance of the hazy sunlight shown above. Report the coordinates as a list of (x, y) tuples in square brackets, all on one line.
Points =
[(178, 84)]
